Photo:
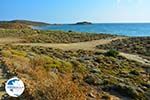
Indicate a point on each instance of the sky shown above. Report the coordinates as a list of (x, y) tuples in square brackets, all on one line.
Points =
[(72, 11)]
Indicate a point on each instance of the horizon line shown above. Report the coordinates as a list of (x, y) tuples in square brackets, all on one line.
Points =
[(115, 22)]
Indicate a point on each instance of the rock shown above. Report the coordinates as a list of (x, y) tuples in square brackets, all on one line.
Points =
[(140, 90), (31, 54), (99, 82), (148, 93), (84, 58), (92, 79), (134, 72), (5, 97), (98, 52), (76, 76), (147, 85), (95, 70), (92, 95), (126, 90), (2, 87), (147, 69), (70, 31), (106, 97), (55, 70)]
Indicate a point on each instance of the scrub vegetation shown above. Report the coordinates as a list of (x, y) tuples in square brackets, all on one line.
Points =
[(39, 36), (134, 45), (56, 74), (53, 74)]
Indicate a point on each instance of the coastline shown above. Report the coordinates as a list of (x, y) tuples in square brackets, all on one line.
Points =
[(123, 29)]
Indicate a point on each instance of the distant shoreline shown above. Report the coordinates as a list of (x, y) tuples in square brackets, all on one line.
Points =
[(123, 29)]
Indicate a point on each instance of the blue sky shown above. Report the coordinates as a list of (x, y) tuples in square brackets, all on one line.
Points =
[(71, 11)]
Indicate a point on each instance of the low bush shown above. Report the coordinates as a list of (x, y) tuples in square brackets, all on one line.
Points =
[(112, 53)]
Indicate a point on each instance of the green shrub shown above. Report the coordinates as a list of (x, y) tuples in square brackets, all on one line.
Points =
[(18, 53), (112, 53), (6, 53), (48, 63), (78, 67)]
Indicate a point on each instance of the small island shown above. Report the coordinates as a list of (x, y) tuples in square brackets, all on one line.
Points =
[(83, 23)]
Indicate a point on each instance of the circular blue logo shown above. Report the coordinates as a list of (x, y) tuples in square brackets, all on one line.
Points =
[(14, 87)]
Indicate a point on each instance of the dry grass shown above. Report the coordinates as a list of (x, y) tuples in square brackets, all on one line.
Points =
[(37, 36), (42, 84), (51, 74)]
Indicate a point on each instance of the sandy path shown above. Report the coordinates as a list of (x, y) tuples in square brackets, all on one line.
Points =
[(10, 40), (135, 58), (89, 45)]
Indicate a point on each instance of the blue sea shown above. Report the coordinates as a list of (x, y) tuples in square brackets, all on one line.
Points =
[(127, 29)]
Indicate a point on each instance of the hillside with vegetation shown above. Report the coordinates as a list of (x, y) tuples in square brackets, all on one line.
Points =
[(13, 26), (54, 74), (78, 70), (26, 22), (39, 36), (134, 45)]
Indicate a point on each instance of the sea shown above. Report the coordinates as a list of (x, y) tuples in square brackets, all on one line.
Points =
[(125, 29)]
